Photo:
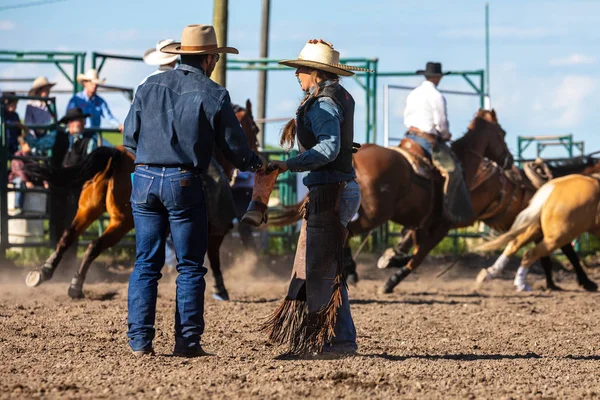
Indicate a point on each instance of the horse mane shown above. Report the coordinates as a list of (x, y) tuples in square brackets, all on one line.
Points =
[(570, 166)]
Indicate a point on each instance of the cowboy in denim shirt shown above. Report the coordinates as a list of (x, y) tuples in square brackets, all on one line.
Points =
[(173, 124)]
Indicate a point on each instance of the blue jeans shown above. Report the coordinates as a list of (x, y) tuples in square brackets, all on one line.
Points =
[(19, 196), (424, 143), (345, 332), (163, 197)]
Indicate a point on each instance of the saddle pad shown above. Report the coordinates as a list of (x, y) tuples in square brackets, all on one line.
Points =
[(418, 164)]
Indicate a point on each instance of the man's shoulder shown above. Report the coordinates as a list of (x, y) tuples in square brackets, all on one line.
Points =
[(187, 83)]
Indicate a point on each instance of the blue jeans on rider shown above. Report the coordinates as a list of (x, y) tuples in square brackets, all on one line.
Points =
[(164, 197), (345, 332), (424, 143)]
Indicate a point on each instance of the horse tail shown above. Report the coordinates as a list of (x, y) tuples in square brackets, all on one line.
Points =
[(525, 219), (76, 175), (288, 216)]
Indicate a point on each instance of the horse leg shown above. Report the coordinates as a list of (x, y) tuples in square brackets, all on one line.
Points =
[(547, 265), (531, 233), (115, 231), (87, 213), (247, 236), (349, 266), (214, 244), (398, 256), (424, 243), (582, 277), (112, 194), (542, 249)]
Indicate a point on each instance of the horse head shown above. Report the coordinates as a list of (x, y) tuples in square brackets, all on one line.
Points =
[(484, 139), (251, 130), (244, 115)]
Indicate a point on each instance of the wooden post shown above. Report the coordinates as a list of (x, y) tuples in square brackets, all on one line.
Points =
[(219, 75), (262, 75)]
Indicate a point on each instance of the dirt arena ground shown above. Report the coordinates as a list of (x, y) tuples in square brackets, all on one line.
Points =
[(433, 338)]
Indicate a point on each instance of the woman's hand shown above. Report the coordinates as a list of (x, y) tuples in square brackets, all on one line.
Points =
[(280, 165)]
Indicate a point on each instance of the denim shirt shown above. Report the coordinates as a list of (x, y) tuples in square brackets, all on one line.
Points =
[(323, 118), (95, 106), (178, 116)]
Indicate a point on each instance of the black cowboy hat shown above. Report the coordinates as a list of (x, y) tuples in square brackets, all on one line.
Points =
[(432, 69), (72, 114), (7, 97)]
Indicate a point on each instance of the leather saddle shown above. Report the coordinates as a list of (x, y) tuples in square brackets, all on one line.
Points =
[(414, 154), (538, 172)]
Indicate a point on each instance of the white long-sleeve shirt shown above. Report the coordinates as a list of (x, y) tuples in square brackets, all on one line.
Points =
[(160, 69), (426, 110)]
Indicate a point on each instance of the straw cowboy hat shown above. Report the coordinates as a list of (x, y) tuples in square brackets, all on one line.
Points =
[(156, 57), (39, 83), (196, 40), (432, 69), (319, 54), (90, 75)]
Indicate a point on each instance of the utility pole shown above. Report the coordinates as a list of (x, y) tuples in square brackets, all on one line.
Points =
[(220, 17), (262, 75)]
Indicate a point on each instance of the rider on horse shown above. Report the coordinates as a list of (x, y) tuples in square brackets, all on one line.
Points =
[(426, 119)]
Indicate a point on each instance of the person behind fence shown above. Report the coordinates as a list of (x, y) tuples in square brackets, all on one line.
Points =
[(37, 112), (19, 177), (14, 128), (165, 62), (175, 120), (426, 120), (81, 143), (315, 315), (92, 104)]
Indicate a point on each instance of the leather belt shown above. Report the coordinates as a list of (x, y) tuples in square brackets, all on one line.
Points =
[(183, 167), (417, 132)]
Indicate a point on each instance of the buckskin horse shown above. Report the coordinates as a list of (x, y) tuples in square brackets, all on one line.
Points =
[(498, 196), (403, 190), (560, 211), (106, 178)]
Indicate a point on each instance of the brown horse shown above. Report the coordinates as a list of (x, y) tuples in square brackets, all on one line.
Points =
[(560, 211), (392, 191), (498, 197), (106, 178)]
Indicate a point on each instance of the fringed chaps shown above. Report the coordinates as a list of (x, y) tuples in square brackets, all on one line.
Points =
[(306, 319)]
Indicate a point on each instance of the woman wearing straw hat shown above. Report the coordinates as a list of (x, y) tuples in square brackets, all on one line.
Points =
[(315, 316), (41, 141), (37, 112), (91, 103)]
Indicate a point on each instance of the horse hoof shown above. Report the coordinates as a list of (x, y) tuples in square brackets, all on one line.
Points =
[(34, 278), (352, 279), (384, 290), (221, 296), (554, 287), (37, 277), (75, 293), (523, 287), (590, 286), (386, 257), (482, 276)]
